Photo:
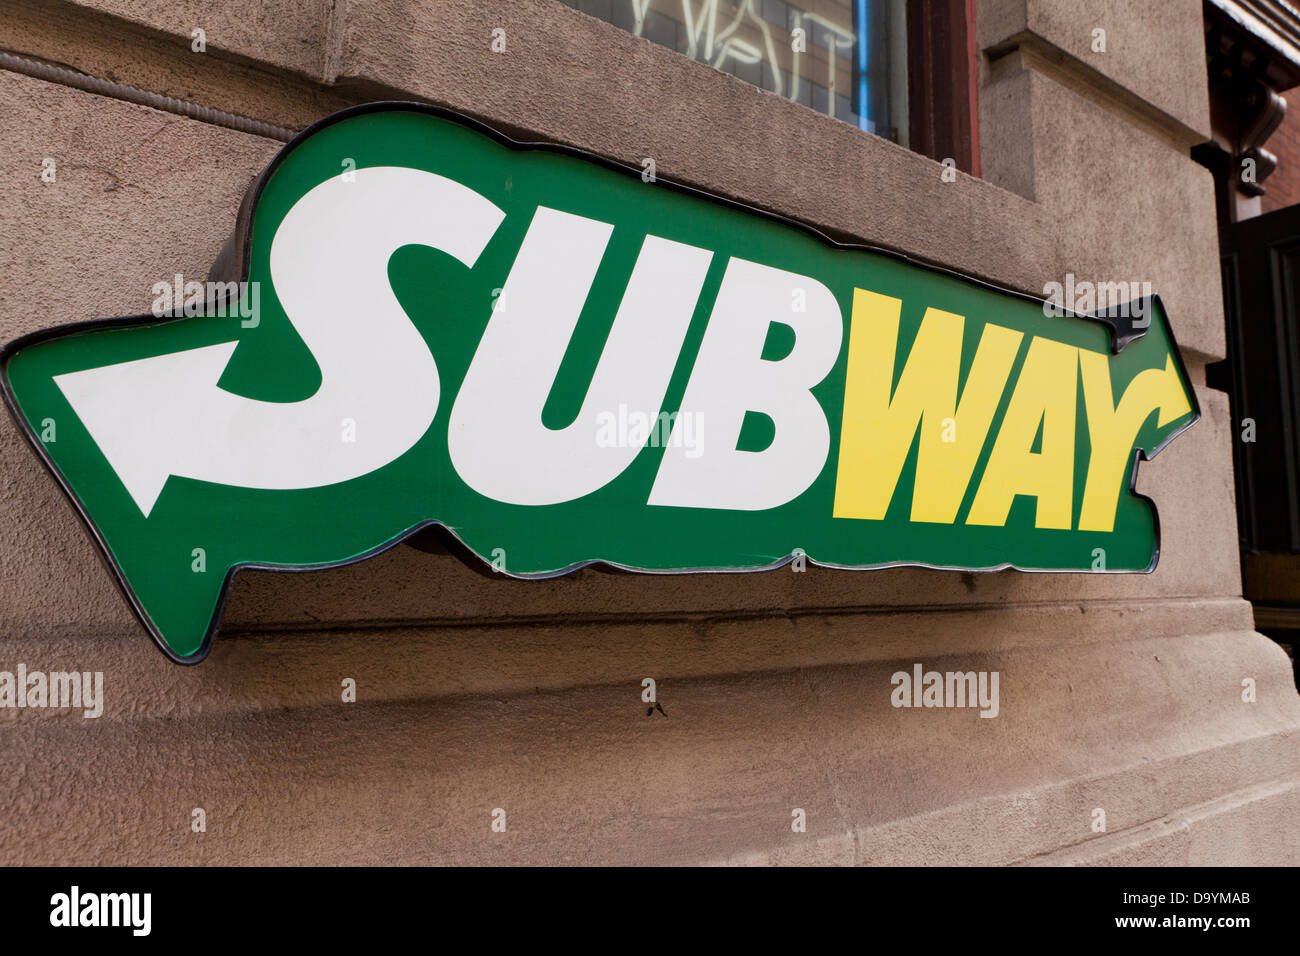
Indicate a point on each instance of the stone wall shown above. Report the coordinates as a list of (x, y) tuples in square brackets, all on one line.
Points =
[(1118, 692)]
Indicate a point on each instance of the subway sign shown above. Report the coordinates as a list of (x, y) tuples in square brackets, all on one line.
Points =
[(563, 361)]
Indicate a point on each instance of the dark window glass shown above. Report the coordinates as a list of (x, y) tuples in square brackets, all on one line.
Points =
[(844, 58)]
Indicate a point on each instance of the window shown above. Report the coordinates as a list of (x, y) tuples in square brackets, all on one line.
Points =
[(901, 69)]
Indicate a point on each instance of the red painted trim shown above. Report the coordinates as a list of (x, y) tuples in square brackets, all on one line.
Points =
[(973, 88), (943, 76)]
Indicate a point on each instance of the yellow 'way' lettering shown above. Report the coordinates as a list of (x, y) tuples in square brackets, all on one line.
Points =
[(1045, 394), (878, 428), (1113, 428), (878, 431)]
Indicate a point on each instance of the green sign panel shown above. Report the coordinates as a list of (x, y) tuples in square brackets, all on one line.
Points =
[(563, 361)]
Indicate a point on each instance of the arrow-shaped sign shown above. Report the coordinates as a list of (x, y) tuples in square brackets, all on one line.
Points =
[(566, 365)]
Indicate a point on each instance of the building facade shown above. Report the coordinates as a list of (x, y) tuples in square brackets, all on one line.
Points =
[(1142, 718)]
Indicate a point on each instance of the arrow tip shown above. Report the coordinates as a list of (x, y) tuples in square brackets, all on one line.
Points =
[(134, 411)]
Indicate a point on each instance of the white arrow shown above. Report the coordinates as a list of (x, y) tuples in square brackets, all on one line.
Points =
[(162, 416)]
